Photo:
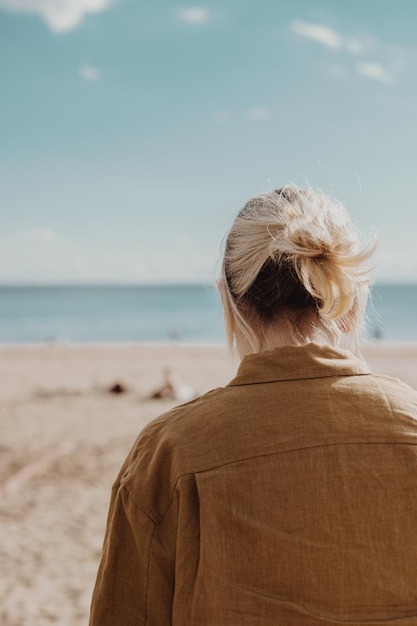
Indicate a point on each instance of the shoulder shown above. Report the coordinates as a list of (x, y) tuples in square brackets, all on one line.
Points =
[(378, 405), (389, 384), (396, 392), (169, 448), (371, 384)]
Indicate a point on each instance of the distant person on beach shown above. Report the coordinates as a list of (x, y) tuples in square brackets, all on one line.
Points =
[(289, 496), (173, 388)]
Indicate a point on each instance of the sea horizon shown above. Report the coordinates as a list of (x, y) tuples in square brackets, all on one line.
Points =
[(180, 312)]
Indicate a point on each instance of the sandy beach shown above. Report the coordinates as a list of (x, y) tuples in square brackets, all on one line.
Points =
[(63, 439)]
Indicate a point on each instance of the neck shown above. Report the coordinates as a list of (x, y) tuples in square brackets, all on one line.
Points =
[(291, 330)]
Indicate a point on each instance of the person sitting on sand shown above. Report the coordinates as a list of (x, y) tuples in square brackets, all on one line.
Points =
[(289, 496), (173, 388)]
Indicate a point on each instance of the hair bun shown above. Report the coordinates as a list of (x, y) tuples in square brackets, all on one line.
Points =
[(314, 249)]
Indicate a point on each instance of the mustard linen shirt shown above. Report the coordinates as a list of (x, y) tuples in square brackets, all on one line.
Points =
[(287, 497)]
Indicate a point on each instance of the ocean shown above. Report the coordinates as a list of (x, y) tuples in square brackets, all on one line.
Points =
[(186, 313)]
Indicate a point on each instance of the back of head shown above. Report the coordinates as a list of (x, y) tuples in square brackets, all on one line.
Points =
[(292, 272)]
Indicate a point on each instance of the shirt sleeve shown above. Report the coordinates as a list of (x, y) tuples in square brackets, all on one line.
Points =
[(135, 579)]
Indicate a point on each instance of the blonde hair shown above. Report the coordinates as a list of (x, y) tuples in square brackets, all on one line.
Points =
[(293, 263)]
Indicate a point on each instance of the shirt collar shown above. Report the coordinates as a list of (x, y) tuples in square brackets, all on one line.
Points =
[(298, 362)]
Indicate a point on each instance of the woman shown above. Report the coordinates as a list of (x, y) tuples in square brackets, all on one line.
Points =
[(290, 495)]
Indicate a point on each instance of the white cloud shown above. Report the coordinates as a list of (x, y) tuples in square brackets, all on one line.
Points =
[(39, 235), (355, 46), (89, 72), (392, 59), (258, 114), (374, 70), (331, 39), (59, 15), (323, 34), (194, 15)]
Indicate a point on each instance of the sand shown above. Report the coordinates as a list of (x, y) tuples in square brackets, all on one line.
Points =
[(63, 439)]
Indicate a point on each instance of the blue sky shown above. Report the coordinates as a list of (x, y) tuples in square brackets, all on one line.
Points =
[(131, 133)]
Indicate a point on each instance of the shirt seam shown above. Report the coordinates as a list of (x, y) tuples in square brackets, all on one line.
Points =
[(123, 486), (322, 445), (385, 395), (156, 522), (300, 378), (148, 575)]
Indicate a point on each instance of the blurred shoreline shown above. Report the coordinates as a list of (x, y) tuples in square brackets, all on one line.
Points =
[(140, 365)]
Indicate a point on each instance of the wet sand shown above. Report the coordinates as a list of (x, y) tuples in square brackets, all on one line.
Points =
[(63, 439)]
